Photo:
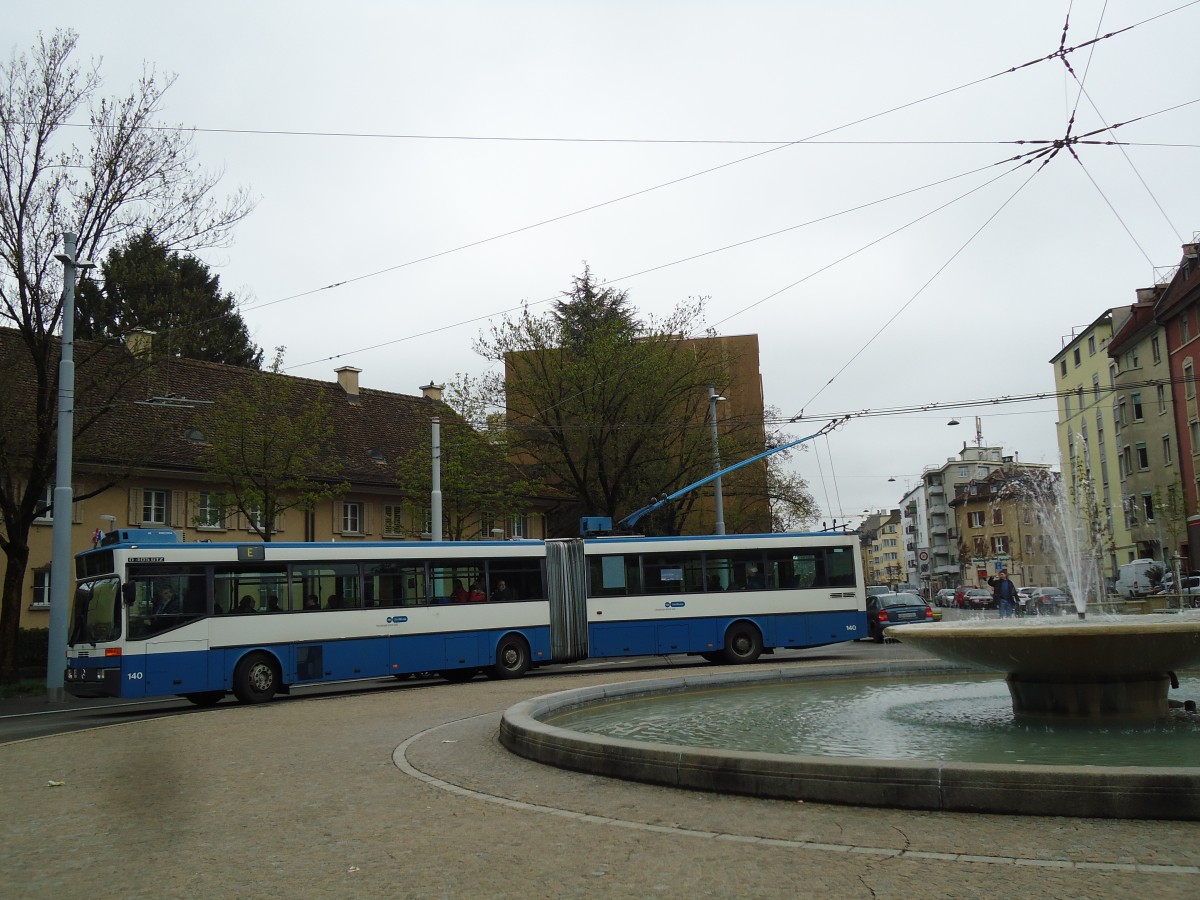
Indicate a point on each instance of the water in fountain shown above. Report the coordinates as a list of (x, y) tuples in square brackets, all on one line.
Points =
[(1075, 538)]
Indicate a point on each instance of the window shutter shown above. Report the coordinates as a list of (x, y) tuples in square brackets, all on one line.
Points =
[(135, 506), (178, 512), (366, 517), (279, 521), (337, 516)]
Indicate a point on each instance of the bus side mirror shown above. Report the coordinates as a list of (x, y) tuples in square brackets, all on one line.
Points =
[(129, 593)]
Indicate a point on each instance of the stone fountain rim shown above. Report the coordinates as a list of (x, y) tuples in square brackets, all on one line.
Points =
[(1116, 792), (1050, 628)]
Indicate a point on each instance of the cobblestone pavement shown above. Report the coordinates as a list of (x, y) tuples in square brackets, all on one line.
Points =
[(406, 793)]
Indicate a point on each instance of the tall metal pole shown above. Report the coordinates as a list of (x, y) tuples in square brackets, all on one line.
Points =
[(60, 559), (718, 498), (435, 497)]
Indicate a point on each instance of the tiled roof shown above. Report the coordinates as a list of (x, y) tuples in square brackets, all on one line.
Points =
[(148, 421)]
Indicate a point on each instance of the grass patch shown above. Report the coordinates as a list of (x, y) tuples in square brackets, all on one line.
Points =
[(26, 687)]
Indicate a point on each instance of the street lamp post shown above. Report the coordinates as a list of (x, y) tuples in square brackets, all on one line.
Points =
[(718, 498), (60, 558)]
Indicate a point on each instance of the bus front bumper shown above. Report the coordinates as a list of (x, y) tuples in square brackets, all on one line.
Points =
[(93, 681)]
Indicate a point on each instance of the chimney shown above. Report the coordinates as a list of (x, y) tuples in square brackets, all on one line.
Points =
[(432, 391), (1146, 295), (1191, 251), (139, 342), (347, 377)]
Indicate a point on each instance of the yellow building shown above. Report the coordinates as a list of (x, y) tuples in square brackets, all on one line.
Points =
[(1084, 377)]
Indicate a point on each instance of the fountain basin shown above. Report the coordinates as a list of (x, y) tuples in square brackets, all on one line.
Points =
[(1116, 669), (932, 784)]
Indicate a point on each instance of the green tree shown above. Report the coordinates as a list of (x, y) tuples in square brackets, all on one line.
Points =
[(117, 179), (606, 410), (266, 448), (477, 479), (174, 295)]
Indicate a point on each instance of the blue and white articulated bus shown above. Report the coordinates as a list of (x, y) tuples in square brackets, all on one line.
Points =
[(154, 617)]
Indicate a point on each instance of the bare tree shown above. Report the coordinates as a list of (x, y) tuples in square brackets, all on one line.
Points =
[(125, 179)]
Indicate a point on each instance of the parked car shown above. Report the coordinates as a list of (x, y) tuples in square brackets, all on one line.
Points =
[(873, 589), (1023, 595), (945, 597), (894, 608), (1048, 600), (978, 598)]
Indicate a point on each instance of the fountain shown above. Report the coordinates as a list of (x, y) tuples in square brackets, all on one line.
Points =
[(1107, 671), (1115, 668)]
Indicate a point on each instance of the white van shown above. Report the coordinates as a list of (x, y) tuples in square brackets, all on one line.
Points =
[(1133, 578)]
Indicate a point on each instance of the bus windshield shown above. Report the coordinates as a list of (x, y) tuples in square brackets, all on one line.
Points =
[(96, 614)]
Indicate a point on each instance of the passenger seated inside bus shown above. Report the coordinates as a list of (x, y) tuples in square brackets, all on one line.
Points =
[(334, 602), (312, 601), (503, 593), (476, 595), (459, 594), (273, 604), (246, 605), (167, 603)]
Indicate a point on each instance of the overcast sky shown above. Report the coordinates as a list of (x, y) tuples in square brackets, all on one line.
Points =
[(691, 108)]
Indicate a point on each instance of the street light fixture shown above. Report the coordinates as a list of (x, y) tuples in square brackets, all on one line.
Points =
[(718, 498)]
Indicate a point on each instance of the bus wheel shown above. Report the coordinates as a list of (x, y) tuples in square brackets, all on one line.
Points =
[(458, 676), (512, 658), (205, 698), (743, 644), (255, 680)]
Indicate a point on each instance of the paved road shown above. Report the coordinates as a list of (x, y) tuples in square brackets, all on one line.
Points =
[(406, 793)]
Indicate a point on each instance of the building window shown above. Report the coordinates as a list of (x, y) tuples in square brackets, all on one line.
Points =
[(1185, 328), (1122, 415), (1148, 507), (1096, 388), (154, 507), (1127, 460), (1194, 431), (1067, 406), (1000, 544), (209, 511), (41, 589), (976, 519), (997, 516), (352, 518), (1076, 357), (1136, 401), (1162, 398), (980, 546), (1189, 381), (1166, 449), (1131, 359), (1062, 367), (255, 520), (45, 506), (393, 521), (1091, 345), (964, 471), (1029, 543), (1155, 350), (1143, 458)]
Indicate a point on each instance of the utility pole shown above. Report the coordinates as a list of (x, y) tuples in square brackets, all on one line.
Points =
[(60, 558), (718, 498)]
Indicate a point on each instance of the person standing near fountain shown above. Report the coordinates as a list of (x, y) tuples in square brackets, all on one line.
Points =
[(1004, 592)]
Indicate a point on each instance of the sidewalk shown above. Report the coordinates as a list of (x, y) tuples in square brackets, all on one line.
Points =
[(406, 793)]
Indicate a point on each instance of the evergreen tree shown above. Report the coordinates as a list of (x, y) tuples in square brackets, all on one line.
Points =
[(176, 296)]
